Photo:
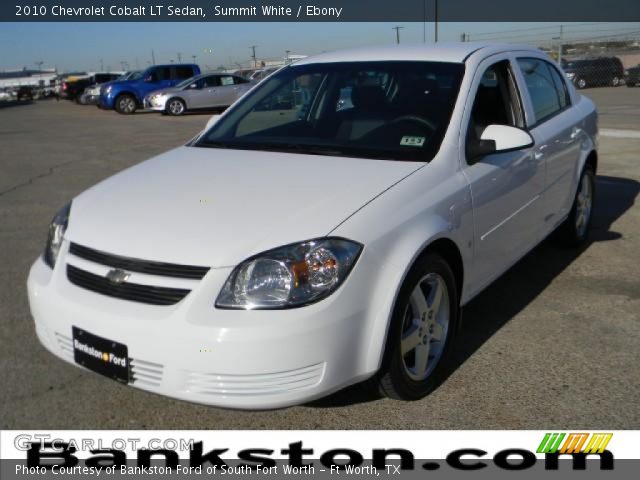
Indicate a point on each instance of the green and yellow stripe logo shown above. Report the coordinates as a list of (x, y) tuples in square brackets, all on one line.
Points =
[(574, 443)]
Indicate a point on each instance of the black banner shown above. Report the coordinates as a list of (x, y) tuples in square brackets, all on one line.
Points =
[(319, 11)]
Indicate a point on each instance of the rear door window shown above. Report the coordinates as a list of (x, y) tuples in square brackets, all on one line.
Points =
[(548, 94), (161, 73), (181, 73), (211, 81)]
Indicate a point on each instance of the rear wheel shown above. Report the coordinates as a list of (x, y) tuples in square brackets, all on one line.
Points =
[(575, 228), (175, 106), (615, 81), (421, 333), (126, 104), (581, 83)]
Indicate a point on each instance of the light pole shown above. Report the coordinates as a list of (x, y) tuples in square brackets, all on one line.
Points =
[(287, 52), (193, 57), (253, 55), (436, 22), (397, 29), (179, 55), (39, 64)]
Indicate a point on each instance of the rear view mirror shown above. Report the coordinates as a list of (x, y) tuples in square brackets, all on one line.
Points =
[(193, 85), (148, 78)]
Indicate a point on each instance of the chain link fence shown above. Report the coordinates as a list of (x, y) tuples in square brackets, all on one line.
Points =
[(592, 55)]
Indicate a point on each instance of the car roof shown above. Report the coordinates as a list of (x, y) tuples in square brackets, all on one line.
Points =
[(456, 52), (174, 65)]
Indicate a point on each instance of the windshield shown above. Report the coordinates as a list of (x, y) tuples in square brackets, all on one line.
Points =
[(130, 76), (391, 110), (186, 82)]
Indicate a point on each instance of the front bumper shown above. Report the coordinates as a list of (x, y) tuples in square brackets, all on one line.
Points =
[(91, 99), (157, 104), (192, 351)]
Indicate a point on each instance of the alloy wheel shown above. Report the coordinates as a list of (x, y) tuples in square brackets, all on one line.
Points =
[(425, 327), (127, 104), (176, 107)]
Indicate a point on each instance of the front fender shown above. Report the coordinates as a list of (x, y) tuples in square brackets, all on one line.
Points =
[(404, 230)]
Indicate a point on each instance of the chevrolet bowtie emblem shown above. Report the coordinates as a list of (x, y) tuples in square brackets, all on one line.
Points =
[(117, 276)]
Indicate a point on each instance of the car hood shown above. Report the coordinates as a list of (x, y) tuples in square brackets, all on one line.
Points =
[(216, 207), (164, 91), (125, 83)]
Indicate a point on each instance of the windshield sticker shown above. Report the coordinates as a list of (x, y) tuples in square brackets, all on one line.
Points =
[(412, 141)]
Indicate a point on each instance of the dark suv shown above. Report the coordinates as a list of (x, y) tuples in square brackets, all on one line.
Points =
[(594, 71), (127, 95)]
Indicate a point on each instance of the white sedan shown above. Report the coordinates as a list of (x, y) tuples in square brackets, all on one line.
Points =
[(325, 230)]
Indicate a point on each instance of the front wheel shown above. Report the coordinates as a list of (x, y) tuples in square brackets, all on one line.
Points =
[(421, 333), (126, 104), (175, 106), (615, 81), (581, 83), (575, 228)]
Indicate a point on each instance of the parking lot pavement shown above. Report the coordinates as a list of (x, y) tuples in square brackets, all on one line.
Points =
[(552, 345), (618, 108)]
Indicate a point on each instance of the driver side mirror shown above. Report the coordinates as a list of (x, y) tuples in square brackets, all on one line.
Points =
[(498, 139), (148, 78)]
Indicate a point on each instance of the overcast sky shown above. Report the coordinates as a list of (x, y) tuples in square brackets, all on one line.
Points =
[(85, 46)]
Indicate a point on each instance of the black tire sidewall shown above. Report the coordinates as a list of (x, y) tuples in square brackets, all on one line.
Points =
[(394, 380), (568, 233)]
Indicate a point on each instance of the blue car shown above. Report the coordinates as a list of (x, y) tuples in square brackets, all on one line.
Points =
[(126, 96)]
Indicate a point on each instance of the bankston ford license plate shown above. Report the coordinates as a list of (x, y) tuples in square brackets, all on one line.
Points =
[(103, 356)]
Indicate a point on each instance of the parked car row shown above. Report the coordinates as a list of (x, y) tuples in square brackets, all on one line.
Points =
[(171, 89)]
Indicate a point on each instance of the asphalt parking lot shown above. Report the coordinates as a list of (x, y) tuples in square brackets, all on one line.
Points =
[(552, 345)]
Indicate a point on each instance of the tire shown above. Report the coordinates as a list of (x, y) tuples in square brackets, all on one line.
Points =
[(615, 81), (175, 107), (575, 229), (581, 83), (125, 104), (418, 320)]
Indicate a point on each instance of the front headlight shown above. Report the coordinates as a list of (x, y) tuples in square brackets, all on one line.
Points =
[(290, 276), (56, 235)]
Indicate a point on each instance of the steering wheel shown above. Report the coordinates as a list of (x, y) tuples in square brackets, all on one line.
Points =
[(414, 118)]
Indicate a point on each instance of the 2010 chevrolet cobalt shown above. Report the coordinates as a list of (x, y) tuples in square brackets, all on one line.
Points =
[(326, 229)]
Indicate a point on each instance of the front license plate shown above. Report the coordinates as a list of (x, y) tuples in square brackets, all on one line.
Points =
[(101, 355)]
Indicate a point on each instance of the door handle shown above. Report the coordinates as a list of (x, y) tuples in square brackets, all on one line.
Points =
[(538, 154), (574, 133)]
